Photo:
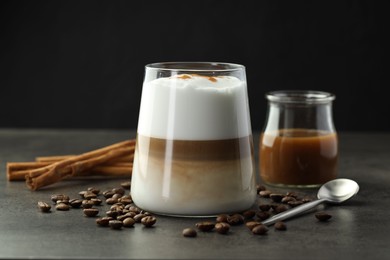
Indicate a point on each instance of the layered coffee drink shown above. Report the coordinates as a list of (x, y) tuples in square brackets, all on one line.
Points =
[(194, 150)]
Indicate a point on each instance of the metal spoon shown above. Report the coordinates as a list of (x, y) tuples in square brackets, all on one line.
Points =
[(335, 191)]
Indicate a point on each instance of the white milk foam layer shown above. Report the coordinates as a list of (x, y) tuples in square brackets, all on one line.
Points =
[(193, 107)]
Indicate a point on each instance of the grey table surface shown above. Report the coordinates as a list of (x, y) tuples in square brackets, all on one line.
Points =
[(359, 229)]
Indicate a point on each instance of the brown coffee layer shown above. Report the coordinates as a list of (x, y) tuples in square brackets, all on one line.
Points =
[(227, 149)]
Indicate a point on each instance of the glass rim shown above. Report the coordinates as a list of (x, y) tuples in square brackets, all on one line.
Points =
[(195, 66), (300, 96)]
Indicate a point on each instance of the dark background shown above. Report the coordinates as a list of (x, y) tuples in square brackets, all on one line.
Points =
[(80, 64)]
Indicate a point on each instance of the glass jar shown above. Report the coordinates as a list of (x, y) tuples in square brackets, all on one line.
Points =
[(299, 145)]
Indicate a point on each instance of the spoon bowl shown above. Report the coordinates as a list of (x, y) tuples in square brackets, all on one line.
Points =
[(334, 191), (338, 190)]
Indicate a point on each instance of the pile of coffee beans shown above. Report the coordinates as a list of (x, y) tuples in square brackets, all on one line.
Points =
[(271, 203), (122, 212)]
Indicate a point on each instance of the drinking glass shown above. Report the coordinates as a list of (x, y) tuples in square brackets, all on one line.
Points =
[(194, 148)]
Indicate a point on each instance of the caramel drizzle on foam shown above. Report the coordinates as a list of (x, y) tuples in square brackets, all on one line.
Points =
[(188, 76)]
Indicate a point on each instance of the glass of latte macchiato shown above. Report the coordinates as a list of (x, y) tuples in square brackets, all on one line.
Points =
[(194, 151)]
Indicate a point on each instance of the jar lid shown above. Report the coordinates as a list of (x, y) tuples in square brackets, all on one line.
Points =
[(300, 96)]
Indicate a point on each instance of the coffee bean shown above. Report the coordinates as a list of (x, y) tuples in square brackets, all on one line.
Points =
[(116, 196), (249, 214), (280, 225), (125, 201), (91, 212), (263, 215), (133, 214), (287, 199), (56, 197), (94, 190), (126, 185), (115, 224), (292, 194), (120, 191), (276, 197), (126, 197), (260, 230), (120, 204), (117, 207), (81, 193), (62, 201), (295, 203), (252, 224), (189, 232), (148, 221), (323, 216), (128, 222), (111, 201), (89, 195), (43, 206), (205, 226), (134, 209), (75, 203), (280, 208), (121, 217), (265, 207), (235, 219), (108, 194), (62, 206), (124, 211), (139, 217), (118, 210), (222, 218), (86, 204), (103, 221), (222, 227), (260, 188), (127, 215), (265, 193), (112, 214), (96, 201)]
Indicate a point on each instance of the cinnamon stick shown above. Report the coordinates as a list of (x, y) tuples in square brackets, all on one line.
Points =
[(75, 165), (56, 158), (16, 171), (84, 156)]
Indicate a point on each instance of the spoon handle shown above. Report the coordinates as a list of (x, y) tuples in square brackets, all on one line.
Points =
[(293, 212)]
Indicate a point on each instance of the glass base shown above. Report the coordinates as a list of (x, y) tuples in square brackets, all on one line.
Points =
[(184, 216), (178, 215)]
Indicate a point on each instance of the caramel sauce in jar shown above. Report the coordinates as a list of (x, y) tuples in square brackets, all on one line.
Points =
[(298, 157)]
